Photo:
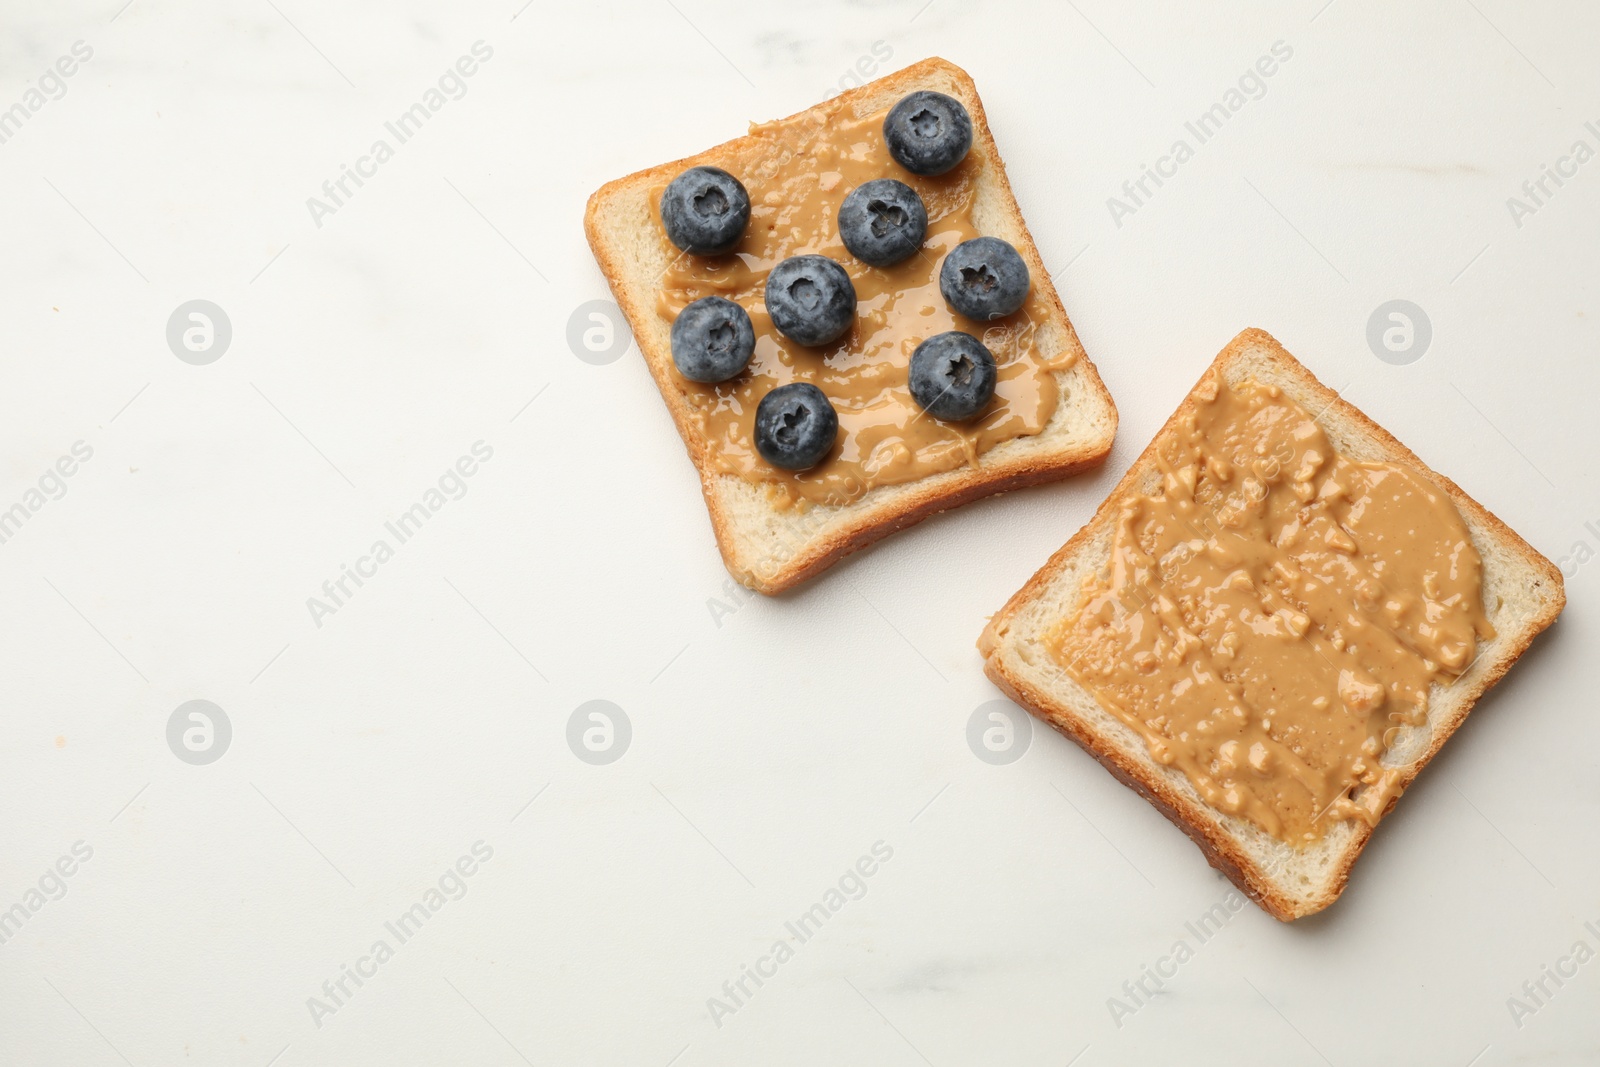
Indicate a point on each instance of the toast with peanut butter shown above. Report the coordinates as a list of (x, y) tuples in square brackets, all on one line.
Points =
[(1272, 624), (811, 443)]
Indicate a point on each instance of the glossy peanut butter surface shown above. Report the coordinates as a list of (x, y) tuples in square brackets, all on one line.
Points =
[(1274, 612), (798, 171)]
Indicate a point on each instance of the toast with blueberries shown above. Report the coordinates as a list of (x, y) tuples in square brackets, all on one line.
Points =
[(1272, 624), (849, 323)]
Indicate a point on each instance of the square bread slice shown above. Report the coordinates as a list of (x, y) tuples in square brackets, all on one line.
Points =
[(770, 548), (1522, 594)]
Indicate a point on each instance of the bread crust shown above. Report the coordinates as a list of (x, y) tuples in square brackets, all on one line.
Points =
[(1195, 818), (886, 509)]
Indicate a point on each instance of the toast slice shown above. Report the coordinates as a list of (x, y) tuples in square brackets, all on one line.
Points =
[(1522, 593), (769, 547)]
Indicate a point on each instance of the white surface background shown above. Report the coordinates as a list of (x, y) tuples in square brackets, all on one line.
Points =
[(771, 750)]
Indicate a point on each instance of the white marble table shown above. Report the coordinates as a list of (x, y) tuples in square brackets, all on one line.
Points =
[(396, 765)]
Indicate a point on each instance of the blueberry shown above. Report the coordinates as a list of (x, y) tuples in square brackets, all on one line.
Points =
[(928, 133), (795, 426), (984, 278), (952, 376), (810, 299), (705, 211), (712, 340), (882, 222)]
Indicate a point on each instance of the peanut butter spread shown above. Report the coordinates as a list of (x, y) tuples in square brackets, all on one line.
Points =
[(798, 171), (1275, 612)]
